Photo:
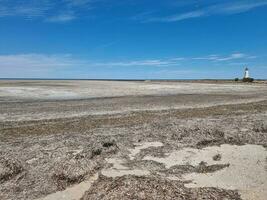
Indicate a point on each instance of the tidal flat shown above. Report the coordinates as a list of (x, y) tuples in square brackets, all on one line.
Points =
[(70, 139)]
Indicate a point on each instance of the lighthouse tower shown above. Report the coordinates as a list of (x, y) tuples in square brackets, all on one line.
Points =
[(246, 73)]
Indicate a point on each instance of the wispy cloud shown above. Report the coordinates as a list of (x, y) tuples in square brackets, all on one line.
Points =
[(156, 62), (31, 61), (242, 6), (48, 10), (58, 11), (234, 56), (106, 45), (238, 63), (178, 17), (35, 65), (217, 8), (43, 61), (61, 18), (27, 65), (25, 61), (43, 65), (27, 9), (78, 2)]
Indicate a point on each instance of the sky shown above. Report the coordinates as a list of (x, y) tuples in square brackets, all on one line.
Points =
[(133, 39)]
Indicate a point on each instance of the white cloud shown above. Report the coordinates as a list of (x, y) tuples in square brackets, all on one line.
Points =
[(51, 9), (27, 9), (43, 65), (234, 56), (178, 59), (37, 61), (35, 65), (33, 61), (243, 6), (167, 62), (209, 57), (217, 8), (48, 10), (174, 72), (178, 17), (239, 63), (145, 62), (78, 2), (61, 18)]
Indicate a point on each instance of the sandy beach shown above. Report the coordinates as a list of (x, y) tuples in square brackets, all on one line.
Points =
[(132, 140)]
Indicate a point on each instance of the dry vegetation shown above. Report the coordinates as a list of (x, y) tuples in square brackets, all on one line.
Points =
[(40, 157), (132, 187)]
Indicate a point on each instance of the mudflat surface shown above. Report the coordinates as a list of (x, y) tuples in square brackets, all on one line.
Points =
[(132, 140), (39, 100)]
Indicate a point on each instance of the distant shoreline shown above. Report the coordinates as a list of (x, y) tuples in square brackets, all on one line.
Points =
[(70, 79), (212, 81)]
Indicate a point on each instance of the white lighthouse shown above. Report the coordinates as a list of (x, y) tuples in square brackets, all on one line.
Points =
[(246, 73)]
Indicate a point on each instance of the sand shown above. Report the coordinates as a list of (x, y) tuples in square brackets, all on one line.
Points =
[(56, 135), (246, 171)]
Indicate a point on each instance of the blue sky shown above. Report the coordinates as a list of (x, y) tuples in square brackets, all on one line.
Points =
[(133, 39)]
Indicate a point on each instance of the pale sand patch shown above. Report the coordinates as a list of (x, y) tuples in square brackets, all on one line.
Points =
[(118, 169), (38, 92), (117, 173), (246, 172), (141, 146), (73, 193), (91, 89)]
